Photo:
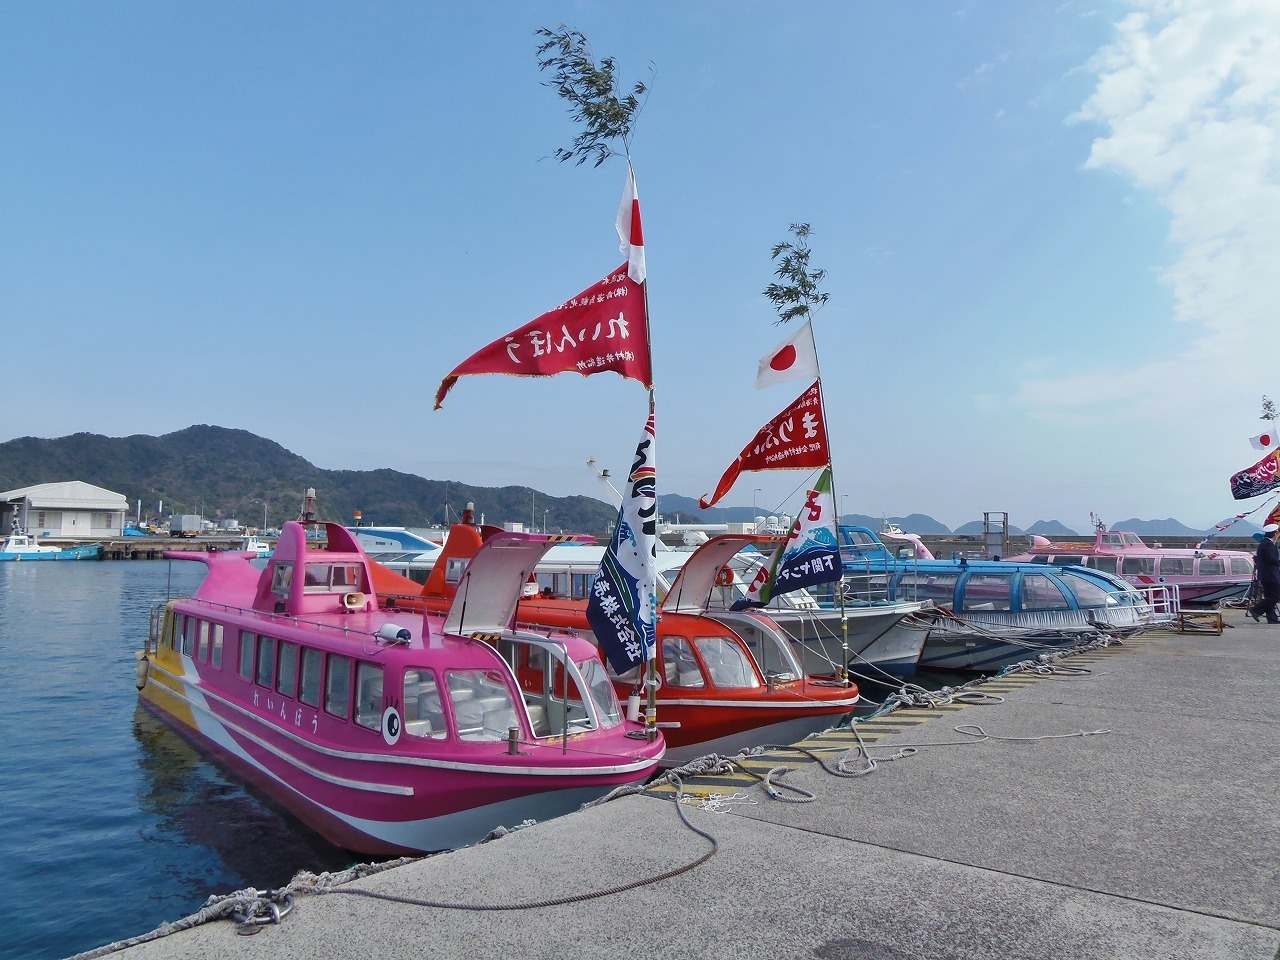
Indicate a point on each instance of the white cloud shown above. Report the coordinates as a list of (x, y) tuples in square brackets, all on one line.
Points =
[(1188, 96)]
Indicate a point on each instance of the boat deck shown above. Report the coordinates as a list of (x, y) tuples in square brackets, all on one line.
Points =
[(1156, 839)]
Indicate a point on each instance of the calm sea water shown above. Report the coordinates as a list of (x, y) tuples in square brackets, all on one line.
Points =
[(111, 823)]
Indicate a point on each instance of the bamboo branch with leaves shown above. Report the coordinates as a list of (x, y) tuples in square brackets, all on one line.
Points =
[(591, 90), (797, 295)]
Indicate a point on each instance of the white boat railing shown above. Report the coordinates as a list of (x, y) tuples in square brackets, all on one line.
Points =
[(1161, 602)]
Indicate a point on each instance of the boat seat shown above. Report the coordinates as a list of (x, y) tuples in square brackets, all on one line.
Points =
[(498, 722), (538, 719)]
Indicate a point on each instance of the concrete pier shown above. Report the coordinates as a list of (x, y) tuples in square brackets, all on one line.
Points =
[(1157, 839)]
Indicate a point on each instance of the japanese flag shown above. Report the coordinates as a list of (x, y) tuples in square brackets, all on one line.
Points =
[(1263, 441), (792, 359), (630, 236)]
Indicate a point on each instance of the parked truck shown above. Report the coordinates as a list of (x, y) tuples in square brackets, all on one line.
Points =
[(184, 525)]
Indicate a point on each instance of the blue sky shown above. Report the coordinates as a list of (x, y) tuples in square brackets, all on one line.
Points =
[(1050, 232)]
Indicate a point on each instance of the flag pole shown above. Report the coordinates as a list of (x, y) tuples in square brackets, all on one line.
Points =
[(651, 663), (835, 499)]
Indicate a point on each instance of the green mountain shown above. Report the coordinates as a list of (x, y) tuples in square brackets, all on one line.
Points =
[(221, 473)]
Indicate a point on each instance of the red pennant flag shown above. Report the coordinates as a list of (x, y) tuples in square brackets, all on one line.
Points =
[(603, 328), (796, 439), (1273, 516)]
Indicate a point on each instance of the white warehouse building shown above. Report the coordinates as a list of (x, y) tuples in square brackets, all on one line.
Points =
[(71, 510)]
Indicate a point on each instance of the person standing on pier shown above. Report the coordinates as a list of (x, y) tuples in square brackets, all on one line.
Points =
[(1266, 566)]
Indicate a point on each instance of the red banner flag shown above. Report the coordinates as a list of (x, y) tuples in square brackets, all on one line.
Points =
[(602, 328), (1262, 477), (795, 439)]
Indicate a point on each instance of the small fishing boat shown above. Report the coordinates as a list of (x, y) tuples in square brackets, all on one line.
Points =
[(728, 680), (1202, 575), (22, 546), (385, 731), (256, 546)]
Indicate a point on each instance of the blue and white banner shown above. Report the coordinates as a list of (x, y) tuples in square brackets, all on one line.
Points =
[(811, 554), (623, 606)]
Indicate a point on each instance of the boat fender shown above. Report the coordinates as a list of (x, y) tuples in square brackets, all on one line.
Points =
[(724, 577), (353, 600), (394, 633), (144, 666), (633, 705)]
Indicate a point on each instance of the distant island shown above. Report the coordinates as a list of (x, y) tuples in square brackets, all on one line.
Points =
[(223, 473)]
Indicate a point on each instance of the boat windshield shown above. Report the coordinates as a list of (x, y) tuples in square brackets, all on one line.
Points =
[(1087, 593), (561, 695)]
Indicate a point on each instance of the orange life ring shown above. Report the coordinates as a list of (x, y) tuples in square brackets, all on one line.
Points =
[(724, 577)]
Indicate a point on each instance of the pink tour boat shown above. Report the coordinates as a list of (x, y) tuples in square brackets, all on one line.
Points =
[(388, 731), (1201, 575)]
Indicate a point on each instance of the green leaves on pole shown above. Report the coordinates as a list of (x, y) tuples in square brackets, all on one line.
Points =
[(797, 294), (591, 90)]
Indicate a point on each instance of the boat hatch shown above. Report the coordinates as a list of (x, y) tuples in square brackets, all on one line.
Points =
[(491, 585), (696, 579)]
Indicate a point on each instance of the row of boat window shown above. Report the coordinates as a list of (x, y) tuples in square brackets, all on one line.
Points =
[(1157, 566), (479, 700)]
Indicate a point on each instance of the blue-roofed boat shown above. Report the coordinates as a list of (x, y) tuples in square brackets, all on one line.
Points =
[(983, 614)]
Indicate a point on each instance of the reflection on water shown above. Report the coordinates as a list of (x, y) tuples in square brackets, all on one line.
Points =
[(112, 823), (191, 801)]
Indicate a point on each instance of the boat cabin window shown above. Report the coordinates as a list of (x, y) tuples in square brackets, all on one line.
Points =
[(1132, 540), (1212, 567), (1175, 566), (987, 591), (337, 688), (772, 653), (331, 578), (556, 583), (1139, 566), (481, 703), (727, 663), (1105, 564), (454, 568), (1068, 558), (1112, 540), (309, 688), (266, 660), (281, 579), (246, 654), (423, 711), (202, 639), (287, 674), (188, 636), (1041, 593), (679, 666), (175, 637), (1040, 558), (940, 588), (580, 585), (215, 656), (369, 695), (1241, 566), (1088, 593)]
